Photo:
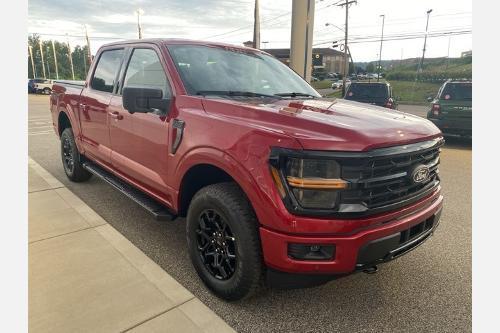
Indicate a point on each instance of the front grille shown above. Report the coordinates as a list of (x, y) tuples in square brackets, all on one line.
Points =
[(380, 181)]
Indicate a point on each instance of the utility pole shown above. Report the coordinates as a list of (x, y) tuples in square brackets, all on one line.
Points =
[(448, 54), (302, 37), (41, 54), (256, 26), (71, 60), (89, 53), (55, 59), (421, 66), (346, 59), (380, 52), (139, 12), (32, 61)]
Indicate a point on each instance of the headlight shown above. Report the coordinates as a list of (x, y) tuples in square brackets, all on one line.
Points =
[(314, 183)]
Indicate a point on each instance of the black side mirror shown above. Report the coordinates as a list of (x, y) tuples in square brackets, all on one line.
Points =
[(144, 100), (429, 99)]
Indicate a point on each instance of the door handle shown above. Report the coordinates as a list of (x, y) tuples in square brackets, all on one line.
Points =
[(115, 115)]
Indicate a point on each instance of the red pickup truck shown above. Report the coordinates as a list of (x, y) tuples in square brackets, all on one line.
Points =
[(277, 184)]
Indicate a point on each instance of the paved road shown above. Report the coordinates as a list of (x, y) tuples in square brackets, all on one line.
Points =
[(429, 290)]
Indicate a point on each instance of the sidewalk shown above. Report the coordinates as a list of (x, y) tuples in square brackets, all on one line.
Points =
[(84, 276)]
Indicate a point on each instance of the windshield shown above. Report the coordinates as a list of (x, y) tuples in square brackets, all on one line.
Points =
[(457, 91), (206, 69), (367, 90)]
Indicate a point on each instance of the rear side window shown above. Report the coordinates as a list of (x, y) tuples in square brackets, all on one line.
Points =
[(366, 90), (145, 71), (106, 70), (457, 91)]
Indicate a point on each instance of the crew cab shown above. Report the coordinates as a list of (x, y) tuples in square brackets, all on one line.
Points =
[(451, 109), (276, 183)]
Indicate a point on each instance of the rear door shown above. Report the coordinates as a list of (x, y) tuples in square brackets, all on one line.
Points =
[(140, 141), (94, 105)]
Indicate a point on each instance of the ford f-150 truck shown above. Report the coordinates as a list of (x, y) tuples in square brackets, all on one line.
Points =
[(277, 184)]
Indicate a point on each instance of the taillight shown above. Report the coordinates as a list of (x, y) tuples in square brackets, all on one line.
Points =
[(436, 109), (389, 103)]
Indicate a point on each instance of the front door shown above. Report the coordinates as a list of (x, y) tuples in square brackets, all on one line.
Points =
[(139, 141), (94, 106)]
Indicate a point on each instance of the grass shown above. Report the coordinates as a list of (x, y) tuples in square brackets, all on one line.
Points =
[(408, 92), (322, 84)]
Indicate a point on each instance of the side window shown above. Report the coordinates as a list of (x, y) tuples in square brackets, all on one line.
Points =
[(145, 71), (106, 70)]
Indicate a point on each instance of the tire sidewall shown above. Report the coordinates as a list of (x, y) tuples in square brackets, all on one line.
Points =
[(68, 134), (243, 248)]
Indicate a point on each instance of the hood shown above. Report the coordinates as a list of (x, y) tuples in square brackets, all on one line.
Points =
[(328, 124)]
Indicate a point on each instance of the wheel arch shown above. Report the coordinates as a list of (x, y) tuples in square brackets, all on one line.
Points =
[(210, 166)]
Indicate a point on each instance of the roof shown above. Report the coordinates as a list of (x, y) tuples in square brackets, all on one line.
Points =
[(170, 41), (283, 53)]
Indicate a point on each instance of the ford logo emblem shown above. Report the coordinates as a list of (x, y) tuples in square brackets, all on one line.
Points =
[(420, 174)]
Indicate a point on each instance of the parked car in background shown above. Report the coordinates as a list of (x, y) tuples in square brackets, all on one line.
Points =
[(43, 86), (451, 109), (376, 93), (337, 84)]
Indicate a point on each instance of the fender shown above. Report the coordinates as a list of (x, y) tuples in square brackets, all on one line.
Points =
[(69, 111), (223, 161)]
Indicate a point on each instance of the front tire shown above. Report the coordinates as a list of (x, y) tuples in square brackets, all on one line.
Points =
[(47, 91), (223, 241), (71, 158)]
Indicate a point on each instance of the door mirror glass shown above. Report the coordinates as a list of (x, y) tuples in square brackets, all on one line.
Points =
[(144, 100)]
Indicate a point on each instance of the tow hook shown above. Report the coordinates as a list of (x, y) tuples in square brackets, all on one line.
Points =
[(371, 270)]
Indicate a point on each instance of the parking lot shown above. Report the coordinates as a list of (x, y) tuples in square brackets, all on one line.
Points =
[(427, 290)]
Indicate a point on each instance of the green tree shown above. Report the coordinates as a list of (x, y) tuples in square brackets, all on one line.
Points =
[(79, 55)]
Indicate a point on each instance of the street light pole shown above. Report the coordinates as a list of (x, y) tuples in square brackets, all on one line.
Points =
[(346, 59), (30, 48), (70, 60), (380, 52), (139, 12), (41, 54), (55, 59), (425, 42)]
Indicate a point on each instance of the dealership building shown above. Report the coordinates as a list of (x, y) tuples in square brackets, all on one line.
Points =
[(331, 60)]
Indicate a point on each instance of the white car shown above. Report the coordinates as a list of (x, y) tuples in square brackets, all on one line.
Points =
[(43, 86), (337, 84)]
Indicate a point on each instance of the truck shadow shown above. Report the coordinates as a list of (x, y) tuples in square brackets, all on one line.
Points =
[(454, 142)]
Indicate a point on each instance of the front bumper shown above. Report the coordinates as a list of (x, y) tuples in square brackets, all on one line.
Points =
[(351, 249)]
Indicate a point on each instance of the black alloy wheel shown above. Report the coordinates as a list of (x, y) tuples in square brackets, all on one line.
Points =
[(216, 244)]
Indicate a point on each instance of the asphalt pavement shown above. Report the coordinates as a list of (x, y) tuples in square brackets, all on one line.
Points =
[(427, 290)]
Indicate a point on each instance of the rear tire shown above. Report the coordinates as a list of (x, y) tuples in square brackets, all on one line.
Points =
[(221, 221), (71, 158)]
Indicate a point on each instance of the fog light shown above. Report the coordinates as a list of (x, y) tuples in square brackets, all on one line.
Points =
[(311, 251)]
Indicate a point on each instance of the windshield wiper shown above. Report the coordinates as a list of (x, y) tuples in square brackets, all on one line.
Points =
[(295, 94), (233, 93)]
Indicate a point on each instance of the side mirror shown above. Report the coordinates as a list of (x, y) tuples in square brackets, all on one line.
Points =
[(429, 99), (144, 100)]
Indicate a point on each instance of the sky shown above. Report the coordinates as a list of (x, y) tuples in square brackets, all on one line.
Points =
[(232, 22)]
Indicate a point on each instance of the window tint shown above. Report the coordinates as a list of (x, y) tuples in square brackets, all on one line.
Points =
[(457, 91), (105, 72), (145, 71), (367, 90)]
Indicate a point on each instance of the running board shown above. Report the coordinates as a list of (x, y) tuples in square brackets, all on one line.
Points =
[(159, 211)]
